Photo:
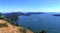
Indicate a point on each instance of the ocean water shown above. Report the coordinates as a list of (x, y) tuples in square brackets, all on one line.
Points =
[(38, 22)]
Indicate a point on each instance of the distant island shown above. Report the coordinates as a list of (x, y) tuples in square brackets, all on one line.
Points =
[(56, 14), (35, 13), (21, 13)]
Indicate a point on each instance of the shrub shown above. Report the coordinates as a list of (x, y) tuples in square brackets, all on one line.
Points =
[(23, 30), (0, 16), (3, 25), (43, 31)]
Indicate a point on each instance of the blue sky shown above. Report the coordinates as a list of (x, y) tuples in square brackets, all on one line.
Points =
[(29, 5)]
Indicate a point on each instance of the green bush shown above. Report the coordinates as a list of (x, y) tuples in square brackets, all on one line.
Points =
[(30, 29), (3, 25), (0, 16), (23, 30), (43, 31)]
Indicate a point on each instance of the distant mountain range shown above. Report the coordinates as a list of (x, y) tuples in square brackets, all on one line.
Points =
[(21, 13), (35, 13)]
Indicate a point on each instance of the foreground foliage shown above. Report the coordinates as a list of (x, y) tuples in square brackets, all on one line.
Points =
[(3, 25), (23, 29), (0, 16)]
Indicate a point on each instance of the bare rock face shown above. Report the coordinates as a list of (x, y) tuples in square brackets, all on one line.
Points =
[(10, 28)]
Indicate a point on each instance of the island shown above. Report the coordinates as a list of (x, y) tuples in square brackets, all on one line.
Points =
[(56, 14), (21, 13)]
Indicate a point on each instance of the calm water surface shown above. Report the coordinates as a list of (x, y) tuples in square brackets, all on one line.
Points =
[(39, 22)]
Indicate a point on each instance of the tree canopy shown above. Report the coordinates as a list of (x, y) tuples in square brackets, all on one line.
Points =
[(12, 18)]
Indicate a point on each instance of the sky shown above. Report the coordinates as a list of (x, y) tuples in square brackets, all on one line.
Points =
[(29, 6)]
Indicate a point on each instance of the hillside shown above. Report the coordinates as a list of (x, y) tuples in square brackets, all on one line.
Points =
[(11, 28)]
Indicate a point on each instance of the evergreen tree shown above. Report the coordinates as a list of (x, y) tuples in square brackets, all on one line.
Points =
[(0, 16), (43, 31), (12, 18)]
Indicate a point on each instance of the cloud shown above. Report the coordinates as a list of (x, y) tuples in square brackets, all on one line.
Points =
[(14, 10), (17, 10), (45, 9), (30, 10), (42, 9), (11, 10), (0, 10), (23, 10)]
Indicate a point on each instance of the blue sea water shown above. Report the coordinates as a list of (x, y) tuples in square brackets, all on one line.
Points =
[(39, 22)]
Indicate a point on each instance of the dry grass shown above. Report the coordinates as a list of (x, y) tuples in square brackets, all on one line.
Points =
[(11, 28)]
